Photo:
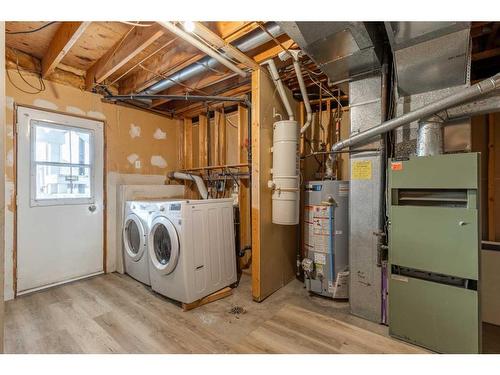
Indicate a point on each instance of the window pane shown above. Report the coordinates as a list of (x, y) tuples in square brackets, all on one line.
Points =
[(61, 145), (80, 147), (52, 144), (54, 182)]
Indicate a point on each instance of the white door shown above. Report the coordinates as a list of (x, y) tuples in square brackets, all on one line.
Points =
[(59, 198)]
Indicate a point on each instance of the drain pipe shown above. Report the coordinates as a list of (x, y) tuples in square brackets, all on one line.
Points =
[(294, 54), (202, 189), (279, 86), (470, 93)]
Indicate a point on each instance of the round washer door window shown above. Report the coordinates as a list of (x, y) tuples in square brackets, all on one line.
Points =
[(163, 245), (134, 237)]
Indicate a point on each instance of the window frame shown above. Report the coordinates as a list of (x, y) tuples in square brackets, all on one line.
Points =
[(34, 201)]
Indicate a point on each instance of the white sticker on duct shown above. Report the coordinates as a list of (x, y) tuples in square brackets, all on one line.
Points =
[(135, 131), (96, 114), (158, 161), (132, 158), (75, 110), (42, 103), (159, 134), (319, 258)]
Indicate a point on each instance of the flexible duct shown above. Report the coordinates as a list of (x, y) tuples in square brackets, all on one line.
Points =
[(244, 44), (470, 93), (200, 185), (202, 47)]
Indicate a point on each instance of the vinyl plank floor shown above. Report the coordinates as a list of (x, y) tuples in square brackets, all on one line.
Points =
[(113, 313)]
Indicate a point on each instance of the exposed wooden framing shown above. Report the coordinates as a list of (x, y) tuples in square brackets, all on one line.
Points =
[(218, 42), (214, 147), (123, 51), (244, 188), (486, 54), (491, 177), (202, 141), (212, 167), (221, 128), (180, 138), (188, 142), (255, 203), (65, 37), (273, 51)]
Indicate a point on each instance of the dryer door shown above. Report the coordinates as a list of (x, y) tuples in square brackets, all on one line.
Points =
[(134, 237), (163, 244)]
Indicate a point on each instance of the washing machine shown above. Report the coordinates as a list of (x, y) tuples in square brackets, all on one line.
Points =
[(137, 217), (192, 248)]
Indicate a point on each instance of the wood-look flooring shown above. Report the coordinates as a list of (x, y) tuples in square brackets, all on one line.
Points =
[(115, 314)]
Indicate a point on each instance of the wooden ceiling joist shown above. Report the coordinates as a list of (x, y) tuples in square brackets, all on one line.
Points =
[(124, 51), (65, 37), (219, 43)]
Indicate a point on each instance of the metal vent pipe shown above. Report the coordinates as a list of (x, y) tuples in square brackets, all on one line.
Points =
[(246, 43), (430, 137), (470, 93)]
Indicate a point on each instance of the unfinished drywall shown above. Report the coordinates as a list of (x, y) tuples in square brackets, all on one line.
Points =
[(273, 246), (2, 178), (138, 144)]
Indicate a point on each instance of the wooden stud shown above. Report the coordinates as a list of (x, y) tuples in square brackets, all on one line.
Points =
[(221, 127), (188, 143), (244, 190), (203, 141), (65, 37), (491, 177), (255, 203), (123, 51), (214, 147)]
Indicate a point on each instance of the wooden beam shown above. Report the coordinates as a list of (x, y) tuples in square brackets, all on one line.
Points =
[(273, 51), (202, 141), (219, 43), (215, 146), (65, 37), (486, 54), (122, 52)]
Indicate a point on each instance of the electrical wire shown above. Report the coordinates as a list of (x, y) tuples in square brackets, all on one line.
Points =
[(136, 24), (32, 30), (38, 75)]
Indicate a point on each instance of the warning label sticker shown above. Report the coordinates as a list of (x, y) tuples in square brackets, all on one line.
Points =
[(361, 170), (397, 165)]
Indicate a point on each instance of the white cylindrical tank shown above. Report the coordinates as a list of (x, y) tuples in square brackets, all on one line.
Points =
[(285, 173)]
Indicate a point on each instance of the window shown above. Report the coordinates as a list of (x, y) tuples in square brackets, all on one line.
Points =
[(61, 168)]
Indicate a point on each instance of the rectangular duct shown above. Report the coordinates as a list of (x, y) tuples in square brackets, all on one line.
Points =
[(365, 202), (340, 49)]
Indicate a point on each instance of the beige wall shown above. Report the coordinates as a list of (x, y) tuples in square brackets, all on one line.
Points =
[(2, 176), (131, 135)]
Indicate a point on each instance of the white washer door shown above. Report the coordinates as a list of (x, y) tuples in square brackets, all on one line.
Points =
[(163, 244), (134, 237)]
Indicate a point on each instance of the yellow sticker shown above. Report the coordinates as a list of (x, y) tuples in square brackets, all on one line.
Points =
[(361, 170)]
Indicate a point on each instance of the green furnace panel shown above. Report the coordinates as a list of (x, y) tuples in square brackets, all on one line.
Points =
[(434, 252)]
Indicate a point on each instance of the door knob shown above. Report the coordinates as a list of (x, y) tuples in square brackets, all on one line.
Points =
[(92, 207)]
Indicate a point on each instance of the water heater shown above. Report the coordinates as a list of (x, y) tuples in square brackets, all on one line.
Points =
[(285, 173)]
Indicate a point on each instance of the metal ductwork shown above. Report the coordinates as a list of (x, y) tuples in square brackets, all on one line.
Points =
[(340, 49), (429, 56), (244, 44), (467, 94)]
